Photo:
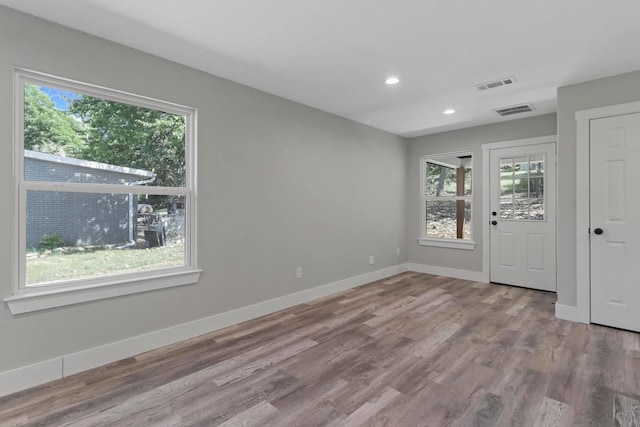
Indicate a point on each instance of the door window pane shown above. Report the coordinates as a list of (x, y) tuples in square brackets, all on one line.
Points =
[(506, 187), (506, 166), (506, 208), (536, 165), (521, 210), (522, 188), (536, 187), (536, 209)]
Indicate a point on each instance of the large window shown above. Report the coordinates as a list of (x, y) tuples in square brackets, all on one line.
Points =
[(105, 193), (446, 200)]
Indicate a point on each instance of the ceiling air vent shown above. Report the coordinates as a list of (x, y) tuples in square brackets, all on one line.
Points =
[(514, 109), (498, 83)]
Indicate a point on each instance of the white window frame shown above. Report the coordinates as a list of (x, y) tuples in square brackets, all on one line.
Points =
[(39, 297), (450, 243)]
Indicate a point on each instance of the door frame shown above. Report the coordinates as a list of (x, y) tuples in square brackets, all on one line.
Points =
[(486, 193), (583, 204)]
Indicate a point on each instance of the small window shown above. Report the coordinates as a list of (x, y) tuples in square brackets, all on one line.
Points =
[(447, 200), (105, 187)]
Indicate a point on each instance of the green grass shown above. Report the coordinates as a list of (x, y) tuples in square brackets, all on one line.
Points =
[(61, 266)]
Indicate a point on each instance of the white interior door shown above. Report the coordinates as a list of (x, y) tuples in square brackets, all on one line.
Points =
[(615, 221), (523, 216)]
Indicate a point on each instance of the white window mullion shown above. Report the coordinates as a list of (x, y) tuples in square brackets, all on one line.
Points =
[(72, 187), (446, 198), (21, 240)]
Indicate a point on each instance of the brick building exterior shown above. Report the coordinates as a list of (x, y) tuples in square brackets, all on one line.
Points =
[(80, 218)]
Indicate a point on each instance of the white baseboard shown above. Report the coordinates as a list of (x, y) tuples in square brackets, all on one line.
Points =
[(476, 276), (32, 375), (98, 356), (567, 312)]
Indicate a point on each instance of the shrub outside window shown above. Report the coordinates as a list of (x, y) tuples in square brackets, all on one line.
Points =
[(447, 200), (105, 190)]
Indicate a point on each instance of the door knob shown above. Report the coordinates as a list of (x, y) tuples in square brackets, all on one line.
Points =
[(598, 231), (494, 222)]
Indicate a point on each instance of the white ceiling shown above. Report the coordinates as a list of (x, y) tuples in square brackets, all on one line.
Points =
[(336, 54)]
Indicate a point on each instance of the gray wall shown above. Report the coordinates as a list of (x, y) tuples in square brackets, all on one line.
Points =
[(469, 139), (597, 93), (281, 185)]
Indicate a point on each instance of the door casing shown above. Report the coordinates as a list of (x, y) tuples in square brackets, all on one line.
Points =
[(583, 262)]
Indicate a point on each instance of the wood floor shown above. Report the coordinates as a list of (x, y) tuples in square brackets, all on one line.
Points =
[(411, 350)]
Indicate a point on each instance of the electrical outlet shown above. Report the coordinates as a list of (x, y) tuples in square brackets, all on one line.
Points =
[(371, 259), (299, 273)]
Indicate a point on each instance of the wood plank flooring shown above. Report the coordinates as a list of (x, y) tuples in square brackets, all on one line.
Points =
[(411, 350)]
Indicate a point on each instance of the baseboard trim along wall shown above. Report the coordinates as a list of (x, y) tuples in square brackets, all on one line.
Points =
[(59, 367), (30, 376), (567, 312), (476, 276)]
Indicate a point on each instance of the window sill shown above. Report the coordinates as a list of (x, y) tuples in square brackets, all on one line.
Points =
[(37, 299), (448, 243)]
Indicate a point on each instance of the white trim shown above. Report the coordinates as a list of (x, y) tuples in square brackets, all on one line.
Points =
[(475, 276), (519, 142), (583, 239), (98, 356), (69, 364), (191, 202), (433, 158), (486, 207), (42, 298), (567, 312), (76, 187), (89, 164), (486, 193), (448, 243), (608, 111), (32, 298), (97, 91), (18, 245), (583, 190), (30, 376)]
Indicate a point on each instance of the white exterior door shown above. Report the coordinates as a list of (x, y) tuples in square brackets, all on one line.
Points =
[(523, 216), (615, 221)]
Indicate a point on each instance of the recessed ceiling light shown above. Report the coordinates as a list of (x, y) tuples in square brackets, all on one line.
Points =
[(392, 81), (449, 111)]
